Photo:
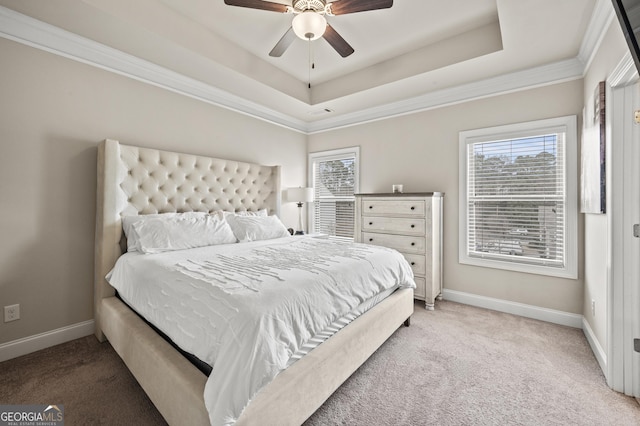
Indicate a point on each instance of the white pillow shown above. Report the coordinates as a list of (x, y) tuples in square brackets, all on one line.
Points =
[(133, 243), (262, 212), (256, 228), (158, 235)]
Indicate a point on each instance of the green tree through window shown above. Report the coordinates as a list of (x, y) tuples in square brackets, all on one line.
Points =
[(334, 179)]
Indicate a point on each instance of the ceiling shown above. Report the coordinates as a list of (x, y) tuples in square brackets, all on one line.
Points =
[(417, 49)]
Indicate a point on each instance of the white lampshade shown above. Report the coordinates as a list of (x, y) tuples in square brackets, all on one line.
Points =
[(309, 25), (300, 195)]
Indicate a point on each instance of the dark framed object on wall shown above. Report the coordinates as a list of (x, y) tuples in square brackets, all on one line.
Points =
[(593, 154)]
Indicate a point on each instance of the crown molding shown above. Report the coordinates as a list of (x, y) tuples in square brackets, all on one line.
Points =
[(558, 72), (32, 32), (601, 18), (35, 33)]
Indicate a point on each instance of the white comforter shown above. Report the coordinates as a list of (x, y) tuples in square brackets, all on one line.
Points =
[(247, 308)]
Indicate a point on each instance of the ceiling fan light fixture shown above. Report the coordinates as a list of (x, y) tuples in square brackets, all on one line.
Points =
[(309, 25)]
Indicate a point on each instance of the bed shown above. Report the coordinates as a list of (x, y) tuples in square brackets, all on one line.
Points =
[(138, 181)]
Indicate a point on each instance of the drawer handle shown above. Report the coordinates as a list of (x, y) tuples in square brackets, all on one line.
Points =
[(370, 223), (413, 244), (370, 239), (413, 263), (370, 207), (413, 208), (413, 226)]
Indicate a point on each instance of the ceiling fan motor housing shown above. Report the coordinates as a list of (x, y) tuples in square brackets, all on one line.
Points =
[(318, 6)]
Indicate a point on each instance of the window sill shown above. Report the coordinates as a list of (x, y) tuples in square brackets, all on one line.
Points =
[(566, 272)]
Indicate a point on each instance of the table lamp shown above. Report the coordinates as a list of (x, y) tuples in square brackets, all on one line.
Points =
[(300, 195)]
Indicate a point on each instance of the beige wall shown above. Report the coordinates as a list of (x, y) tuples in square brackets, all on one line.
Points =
[(53, 112), (421, 151), (597, 238)]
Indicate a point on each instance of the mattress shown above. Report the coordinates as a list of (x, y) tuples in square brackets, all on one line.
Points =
[(252, 309)]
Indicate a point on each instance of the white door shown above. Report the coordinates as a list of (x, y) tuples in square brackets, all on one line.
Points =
[(632, 287), (624, 307)]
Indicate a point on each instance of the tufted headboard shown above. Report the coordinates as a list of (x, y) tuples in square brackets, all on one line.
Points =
[(134, 181)]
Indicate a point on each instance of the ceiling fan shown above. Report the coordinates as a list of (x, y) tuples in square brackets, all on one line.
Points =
[(309, 22)]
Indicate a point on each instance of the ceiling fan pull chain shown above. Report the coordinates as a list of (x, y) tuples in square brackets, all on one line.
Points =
[(311, 64)]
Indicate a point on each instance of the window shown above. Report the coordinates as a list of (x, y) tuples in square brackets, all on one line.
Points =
[(334, 178), (518, 207)]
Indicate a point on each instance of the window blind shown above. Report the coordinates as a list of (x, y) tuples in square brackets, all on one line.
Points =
[(334, 181), (516, 199)]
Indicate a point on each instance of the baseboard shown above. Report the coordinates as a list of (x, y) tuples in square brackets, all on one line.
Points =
[(598, 352), (528, 311), (45, 340)]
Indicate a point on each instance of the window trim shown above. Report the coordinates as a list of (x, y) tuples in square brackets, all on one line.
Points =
[(519, 130), (333, 154)]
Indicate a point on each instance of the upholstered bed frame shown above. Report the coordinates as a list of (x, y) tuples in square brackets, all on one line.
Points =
[(133, 181)]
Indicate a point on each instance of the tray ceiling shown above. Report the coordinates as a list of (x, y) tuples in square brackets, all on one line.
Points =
[(411, 50)]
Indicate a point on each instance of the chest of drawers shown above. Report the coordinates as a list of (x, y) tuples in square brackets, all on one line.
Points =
[(412, 224)]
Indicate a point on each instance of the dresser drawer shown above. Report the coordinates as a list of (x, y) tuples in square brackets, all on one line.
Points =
[(394, 224), (418, 263), (401, 243), (420, 291), (393, 207)]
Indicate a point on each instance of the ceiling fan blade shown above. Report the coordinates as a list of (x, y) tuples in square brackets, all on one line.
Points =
[(337, 42), (283, 44), (258, 4), (342, 7)]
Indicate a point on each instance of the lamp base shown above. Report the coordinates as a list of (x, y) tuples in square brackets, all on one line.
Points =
[(300, 227)]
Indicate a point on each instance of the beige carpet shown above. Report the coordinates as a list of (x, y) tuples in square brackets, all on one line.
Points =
[(458, 365), (85, 376)]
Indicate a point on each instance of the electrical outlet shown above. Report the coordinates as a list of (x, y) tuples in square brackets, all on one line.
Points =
[(11, 313), (593, 307)]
